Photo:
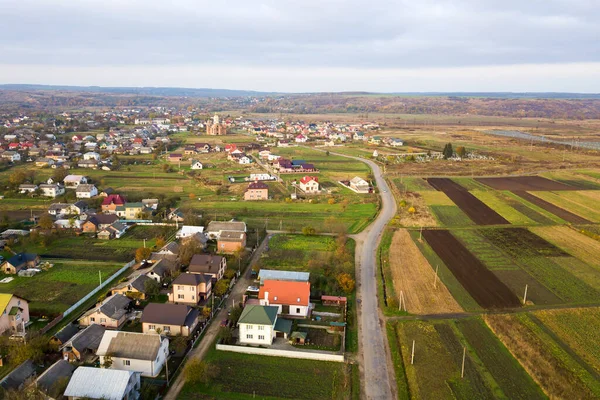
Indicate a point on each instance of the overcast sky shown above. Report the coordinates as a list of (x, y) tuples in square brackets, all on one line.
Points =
[(307, 45)]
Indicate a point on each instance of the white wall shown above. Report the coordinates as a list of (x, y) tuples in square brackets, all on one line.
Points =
[(248, 329), (313, 355)]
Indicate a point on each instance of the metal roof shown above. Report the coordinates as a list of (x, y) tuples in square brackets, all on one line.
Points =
[(268, 274), (98, 383)]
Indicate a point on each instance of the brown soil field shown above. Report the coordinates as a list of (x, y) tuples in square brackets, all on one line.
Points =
[(475, 209), (481, 283), (525, 184), (412, 273), (522, 242), (551, 208), (555, 378)]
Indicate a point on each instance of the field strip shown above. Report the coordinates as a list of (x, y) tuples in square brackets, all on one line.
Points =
[(570, 202), (559, 212), (578, 245), (412, 273)]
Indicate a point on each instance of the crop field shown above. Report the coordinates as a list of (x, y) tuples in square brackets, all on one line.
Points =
[(450, 216), (550, 365), (412, 273), (52, 292), (525, 184), (503, 206), (480, 282), (436, 198), (247, 376), (558, 211), (480, 213), (577, 244), (578, 203), (577, 328), (412, 184), (537, 257)]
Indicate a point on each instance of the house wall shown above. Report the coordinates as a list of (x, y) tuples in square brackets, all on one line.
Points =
[(255, 331), (171, 330), (256, 194), (295, 309), (101, 319), (10, 324), (187, 294), (230, 247), (145, 367)]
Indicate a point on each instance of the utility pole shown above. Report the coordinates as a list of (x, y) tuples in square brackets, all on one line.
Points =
[(525, 295), (144, 243), (436, 276), (100, 277), (462, 371), (412, 356)]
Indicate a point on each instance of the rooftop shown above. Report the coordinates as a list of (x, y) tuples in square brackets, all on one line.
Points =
[(259, 315)]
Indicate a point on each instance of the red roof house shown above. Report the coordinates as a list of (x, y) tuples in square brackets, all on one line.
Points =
[(292, 297), (112, 201)]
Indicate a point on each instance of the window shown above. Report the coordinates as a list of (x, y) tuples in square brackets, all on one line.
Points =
[(152, 327), (297, 310), (193, 297), (92, 319), (102, 320), (249, 327), (180, 288), (249, 336), (126, 362), (298, 300), (191, 288), (261, 337), (166, 328), (261, 327), (275, 298), (181, 296)]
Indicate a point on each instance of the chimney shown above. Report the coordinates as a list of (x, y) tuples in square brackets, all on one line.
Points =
[(267, 297)]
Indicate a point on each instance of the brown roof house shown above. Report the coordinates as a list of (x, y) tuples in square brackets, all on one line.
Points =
[(98, 222), (111, 313), (20, 262), (231, 241), (208, 264), (257, 191), (134, 289), (191, 289), (170, 319)]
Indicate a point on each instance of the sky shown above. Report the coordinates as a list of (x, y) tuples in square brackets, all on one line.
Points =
[(305, 46)]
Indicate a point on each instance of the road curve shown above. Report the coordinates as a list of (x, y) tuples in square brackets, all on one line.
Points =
[(378, 378)]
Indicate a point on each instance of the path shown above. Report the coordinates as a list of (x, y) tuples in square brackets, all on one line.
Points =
[(378, 378), (212, 331)]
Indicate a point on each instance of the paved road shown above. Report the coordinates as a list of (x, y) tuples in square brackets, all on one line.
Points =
[(378, 378), (209, 337)]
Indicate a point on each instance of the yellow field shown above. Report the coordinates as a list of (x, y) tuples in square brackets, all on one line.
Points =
[(436, 198), (413, 275), (575, 243)]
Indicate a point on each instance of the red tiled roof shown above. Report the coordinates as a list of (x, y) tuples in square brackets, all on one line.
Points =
[(286, 292), (114, 199), (307, 179)]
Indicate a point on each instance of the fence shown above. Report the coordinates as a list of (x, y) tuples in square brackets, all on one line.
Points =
[(313, 355), (88, 296)]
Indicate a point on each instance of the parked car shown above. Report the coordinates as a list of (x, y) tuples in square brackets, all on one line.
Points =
[(224, 323)]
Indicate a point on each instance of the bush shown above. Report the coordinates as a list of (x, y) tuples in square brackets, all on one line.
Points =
[(198, 371)]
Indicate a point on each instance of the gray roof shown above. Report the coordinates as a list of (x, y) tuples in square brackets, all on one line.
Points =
[(18, 376), (66, 333), (272, 275), (170, 314), (164, 263), (137, 346), (232, 236), (216, 226), (84, 188), (202, 263), (87, 339), (108, 384), (138, 283), (58, 370), (192, 279), (116, 306)]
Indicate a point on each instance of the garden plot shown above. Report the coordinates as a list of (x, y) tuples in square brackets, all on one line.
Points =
[(573, 242), (575, 202), (524, 183), (558, 211), (480, 282), (503, 206), (480, 213)]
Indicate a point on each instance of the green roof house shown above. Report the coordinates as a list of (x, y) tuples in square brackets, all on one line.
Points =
[(259, 325)]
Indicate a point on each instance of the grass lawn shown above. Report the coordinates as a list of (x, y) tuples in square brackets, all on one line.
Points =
[(243, 375), (53, 291)]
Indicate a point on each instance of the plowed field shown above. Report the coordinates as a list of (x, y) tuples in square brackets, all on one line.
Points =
[(551, 208), (480, 282), (525, 183), (475, 209)]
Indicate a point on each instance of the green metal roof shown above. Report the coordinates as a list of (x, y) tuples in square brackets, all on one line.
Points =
[(14, 311), (283, 325), (259, 315), (299, 335)]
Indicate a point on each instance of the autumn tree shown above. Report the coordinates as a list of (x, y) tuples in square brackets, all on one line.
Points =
[(17, 178), (461, 151), (187, 251), (159, 242), (221, 287), (46, 222), (142, 253), (152, 288), (346, 282), (199, 371)]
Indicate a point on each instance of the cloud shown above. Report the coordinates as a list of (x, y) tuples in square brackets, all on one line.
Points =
[(289, 34)]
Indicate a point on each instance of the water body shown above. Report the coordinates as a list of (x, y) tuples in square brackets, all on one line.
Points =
[(527, 136)]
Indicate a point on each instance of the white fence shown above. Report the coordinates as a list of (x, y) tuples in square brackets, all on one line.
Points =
[(282, 353)]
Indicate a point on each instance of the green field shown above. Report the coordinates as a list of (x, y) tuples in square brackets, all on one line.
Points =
[(53, 291), (450, 216), (499, 203), (245, 376)]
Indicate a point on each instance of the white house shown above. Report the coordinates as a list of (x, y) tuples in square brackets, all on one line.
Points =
[(188, 231), (52, 190), (290, 297), (301, 138), (86, 191), (259, 325), (145, 353), (395, 142), (11, 156), (196, 164), (91, 155), (101, 383), (359, 185), (27, 188), (72, 181), (244, 160), (309, 184)]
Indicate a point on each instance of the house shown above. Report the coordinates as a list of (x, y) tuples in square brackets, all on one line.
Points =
[(360, 136), (170, 319), (164, 265), (64, 335), (111, 313), (175, 214), (52, 190), (20, 377), (257, 191), (106, 192), (98, 222), (59, 209), (309, 184), (214, 229), (231, 241), (375, 140), (191, 289), (113, 231), (44, 162), (175, 157), (11, 156), (275, 275), (50, 382), (208, 264), (396, 142), (83, 344), (145, 353), (27, 188), (150, 204), (188, 231), (86, 191), (135, 289), (131, 210), (290, 297), (108, 384), (111, 202), (244, 159), (20, 262), (259, 325), (301, 138), (92, 155), (78, 207), (360, 185), (87, 164), (72, 181), (14, 313), (196, 164), (71, 223)]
